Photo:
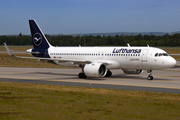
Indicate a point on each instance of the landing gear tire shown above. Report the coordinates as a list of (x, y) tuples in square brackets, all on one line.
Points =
[(108, 74), (150, 77), (82, 75)]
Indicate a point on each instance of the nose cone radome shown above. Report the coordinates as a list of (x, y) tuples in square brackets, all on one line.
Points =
[(171, 62)]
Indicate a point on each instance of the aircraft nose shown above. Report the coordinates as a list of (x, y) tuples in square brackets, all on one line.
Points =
[(172, 62)]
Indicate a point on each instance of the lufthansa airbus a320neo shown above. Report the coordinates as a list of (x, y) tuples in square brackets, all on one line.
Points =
[(98, 61)]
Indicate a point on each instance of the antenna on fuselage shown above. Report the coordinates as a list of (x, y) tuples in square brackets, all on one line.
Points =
[(128, 45), (147, 45)]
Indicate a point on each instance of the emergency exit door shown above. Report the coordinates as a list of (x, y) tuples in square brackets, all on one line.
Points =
[(144, 56)]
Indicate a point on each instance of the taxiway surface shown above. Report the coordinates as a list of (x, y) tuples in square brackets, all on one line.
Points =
[(166, 81)]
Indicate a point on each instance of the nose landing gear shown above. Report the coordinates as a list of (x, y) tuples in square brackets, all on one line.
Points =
[(150, 77)]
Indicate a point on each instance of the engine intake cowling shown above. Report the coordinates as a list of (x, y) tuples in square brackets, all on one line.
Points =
[(132, 71), (95, 70)]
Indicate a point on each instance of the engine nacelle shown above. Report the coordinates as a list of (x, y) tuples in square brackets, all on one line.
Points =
[(132, 71), (95, 70)]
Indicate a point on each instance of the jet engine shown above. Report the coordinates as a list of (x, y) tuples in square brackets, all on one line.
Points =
[(95, 70), (132, 71)]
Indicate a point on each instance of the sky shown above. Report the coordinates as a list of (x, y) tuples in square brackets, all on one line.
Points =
[(89, 16)]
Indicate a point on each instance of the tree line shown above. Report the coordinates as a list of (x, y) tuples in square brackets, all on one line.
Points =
[(121, 40)]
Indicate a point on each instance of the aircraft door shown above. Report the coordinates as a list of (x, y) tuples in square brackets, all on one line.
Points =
[(144, 55)]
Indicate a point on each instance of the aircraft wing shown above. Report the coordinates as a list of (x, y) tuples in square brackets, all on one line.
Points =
[(46, 59)]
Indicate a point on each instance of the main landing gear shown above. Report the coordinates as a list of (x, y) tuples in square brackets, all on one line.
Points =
[(108, 74), (150, 77), (82, 75)]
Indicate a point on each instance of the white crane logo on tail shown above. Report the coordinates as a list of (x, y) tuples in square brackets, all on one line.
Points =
[(37, 39)]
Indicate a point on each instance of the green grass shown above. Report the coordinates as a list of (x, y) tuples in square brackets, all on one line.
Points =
[(19, 101), (171, 49)]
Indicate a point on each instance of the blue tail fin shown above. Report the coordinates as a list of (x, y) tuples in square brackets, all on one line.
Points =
[(38, 39)]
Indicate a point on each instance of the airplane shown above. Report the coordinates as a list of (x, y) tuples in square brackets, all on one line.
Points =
[(98, 61)]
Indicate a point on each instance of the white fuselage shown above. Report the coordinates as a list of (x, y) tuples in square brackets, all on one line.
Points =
[(146, 58)]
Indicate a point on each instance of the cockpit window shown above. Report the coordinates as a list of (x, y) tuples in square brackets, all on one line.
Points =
[(156, 54), (161, 54), (165, 54)]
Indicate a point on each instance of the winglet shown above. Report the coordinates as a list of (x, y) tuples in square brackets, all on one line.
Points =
[(8, 50)]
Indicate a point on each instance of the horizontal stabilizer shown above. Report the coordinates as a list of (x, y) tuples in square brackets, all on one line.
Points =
[(33, 52)]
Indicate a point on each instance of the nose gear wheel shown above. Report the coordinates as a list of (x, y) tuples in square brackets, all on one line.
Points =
[(150, 77)]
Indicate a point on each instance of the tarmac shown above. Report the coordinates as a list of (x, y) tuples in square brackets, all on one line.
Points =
[(165, 81)]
